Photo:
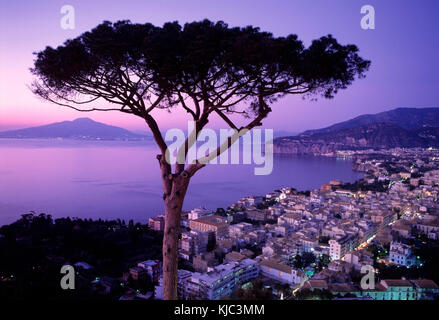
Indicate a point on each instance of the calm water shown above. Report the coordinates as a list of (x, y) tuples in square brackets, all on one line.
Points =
[(121, 179)]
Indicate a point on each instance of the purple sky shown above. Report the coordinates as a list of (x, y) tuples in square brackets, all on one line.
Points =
[(403, 49)]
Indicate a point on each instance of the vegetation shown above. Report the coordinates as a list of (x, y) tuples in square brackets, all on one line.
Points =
[(306, 294), (360, 185), (33, 249), (428, 255), (255, 290), (304, 260)]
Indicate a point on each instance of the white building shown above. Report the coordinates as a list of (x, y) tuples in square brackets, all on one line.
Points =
[(339, 247), (252, 200), (192, 243), (401, 254), (183, 276), (198, 213), (308, 244), (429, 227), (280, 272), (240, 229), (220, 281)]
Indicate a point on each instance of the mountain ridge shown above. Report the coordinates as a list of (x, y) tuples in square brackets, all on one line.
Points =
[(407, 118), (401, 127), (81, 129)]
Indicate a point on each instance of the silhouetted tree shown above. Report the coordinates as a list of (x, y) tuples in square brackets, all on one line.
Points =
[(255, 291), (308, 258), (298, 263), (204, 68), (307, 294)]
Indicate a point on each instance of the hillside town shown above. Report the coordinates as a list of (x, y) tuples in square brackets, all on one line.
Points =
[(374, 239), (320, 242)]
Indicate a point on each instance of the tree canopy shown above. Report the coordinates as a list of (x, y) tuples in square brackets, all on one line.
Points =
[(203, 67)]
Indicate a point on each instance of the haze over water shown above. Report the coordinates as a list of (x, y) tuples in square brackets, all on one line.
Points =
[(109, 179)]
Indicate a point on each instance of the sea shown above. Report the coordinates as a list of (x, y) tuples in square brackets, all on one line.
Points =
[(121, 179)]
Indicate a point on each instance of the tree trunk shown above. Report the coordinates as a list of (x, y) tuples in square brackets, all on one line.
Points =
[(170, 250), (173, 206)]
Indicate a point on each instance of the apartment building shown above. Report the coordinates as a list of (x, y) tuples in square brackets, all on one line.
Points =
[(401, 254), (153, 269), (339, 247), (280, 272), (193, 243), (256, 215), (220, 281), (216, 224), (183, 276), (198, 213), (157, 223), (240, 229)]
